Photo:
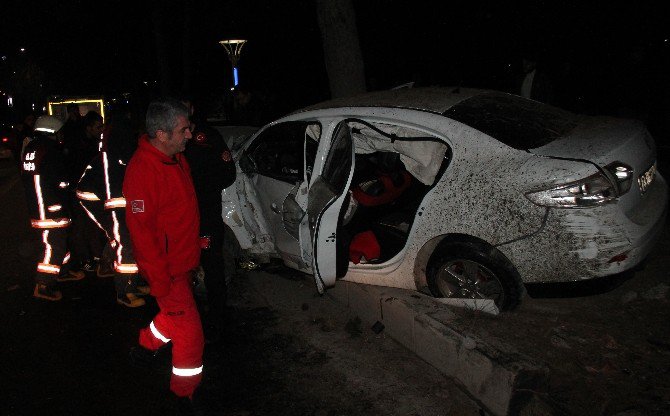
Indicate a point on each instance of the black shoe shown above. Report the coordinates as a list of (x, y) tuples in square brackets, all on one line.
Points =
[(89, 265), (71, 275), (129, 300), (104, 269), (193, 406), (185, 407), (157, 361), (46, 292)]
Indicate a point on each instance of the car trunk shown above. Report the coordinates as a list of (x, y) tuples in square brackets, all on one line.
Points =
[(604, 140)]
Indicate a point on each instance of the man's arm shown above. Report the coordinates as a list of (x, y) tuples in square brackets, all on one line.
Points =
[(140, 191)]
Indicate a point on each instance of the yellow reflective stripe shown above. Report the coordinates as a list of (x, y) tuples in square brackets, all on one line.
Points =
[(87, 196), (47, 247), (54, 208), (115, 203), (38, 192), (67, 258), (92, 217), (58, 223), (125, 268), (186, 372), (48, 268), (158, 334), (105, 167)]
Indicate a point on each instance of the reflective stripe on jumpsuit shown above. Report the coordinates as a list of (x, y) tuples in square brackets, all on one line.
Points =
[(178, 322)]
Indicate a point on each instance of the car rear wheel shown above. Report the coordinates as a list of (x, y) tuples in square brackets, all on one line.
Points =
[(474, 271)]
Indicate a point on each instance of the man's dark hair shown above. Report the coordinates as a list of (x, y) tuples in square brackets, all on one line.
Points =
[(162, 115)]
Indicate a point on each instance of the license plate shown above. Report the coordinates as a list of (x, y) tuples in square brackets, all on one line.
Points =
[(646, 178)]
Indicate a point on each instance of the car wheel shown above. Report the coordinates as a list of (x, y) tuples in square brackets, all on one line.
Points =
[(475, 271)]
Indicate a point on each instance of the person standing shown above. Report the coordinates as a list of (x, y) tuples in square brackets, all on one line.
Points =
[(163, 220), (71, 131), (88, 241), (45, 183), (100, 195), (535, 83), (212, 169)]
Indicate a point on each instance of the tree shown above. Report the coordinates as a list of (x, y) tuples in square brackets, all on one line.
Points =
[(342, 51)]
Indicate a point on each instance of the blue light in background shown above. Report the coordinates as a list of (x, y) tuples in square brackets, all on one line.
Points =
[(236, 80)]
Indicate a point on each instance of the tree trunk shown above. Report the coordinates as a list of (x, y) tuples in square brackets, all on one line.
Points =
[(186, 47), (162, 59), (342, 51)]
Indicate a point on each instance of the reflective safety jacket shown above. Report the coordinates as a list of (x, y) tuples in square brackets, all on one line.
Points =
[(162, 215), (45, 183), (100, 194)]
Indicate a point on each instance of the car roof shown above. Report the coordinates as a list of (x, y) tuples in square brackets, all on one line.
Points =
[(432, 99)]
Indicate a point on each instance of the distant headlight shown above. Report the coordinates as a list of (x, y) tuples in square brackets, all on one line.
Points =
[(595, 190)]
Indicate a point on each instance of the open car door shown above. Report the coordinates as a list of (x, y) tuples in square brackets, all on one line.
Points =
[(326, 196)]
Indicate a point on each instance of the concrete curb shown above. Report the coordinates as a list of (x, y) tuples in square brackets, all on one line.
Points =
[(500, 380)]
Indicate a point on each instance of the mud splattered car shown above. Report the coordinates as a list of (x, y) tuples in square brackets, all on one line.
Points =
[(458, 192)]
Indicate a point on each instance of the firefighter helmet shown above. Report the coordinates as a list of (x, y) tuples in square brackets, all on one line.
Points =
[(48, 124)]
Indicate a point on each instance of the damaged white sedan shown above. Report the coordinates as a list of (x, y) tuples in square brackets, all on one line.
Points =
[(457, 192)]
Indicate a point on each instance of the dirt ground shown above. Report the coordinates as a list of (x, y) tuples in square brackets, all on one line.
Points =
[(606, 344)]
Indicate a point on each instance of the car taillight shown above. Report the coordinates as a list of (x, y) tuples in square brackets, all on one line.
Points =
[(5, 139), (623, 174), (594, 190)]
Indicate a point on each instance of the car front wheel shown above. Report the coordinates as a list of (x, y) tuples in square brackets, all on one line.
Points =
[(474, 271)]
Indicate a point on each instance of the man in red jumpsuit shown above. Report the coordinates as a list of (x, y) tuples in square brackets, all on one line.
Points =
[(163, 221)]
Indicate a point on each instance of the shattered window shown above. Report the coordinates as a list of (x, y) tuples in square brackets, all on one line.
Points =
[(278, 152), (339, 160), (517, 122)]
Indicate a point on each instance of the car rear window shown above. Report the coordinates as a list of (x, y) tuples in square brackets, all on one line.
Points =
[(519, 123)]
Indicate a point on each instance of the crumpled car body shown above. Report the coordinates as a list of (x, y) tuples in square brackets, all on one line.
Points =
[(500, 189)]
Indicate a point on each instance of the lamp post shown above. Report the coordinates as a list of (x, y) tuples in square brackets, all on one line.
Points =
[(233, 48)]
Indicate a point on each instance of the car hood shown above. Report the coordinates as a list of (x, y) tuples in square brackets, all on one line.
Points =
[(603, 140)]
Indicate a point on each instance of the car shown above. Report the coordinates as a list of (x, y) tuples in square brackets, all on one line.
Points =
[(453, 192), (7, 141)]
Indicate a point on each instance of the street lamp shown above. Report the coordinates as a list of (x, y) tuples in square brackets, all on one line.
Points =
[(233, 48)]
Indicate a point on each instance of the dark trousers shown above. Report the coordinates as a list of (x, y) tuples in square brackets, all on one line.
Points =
[(87, 240), (211, 260), (53, 249)]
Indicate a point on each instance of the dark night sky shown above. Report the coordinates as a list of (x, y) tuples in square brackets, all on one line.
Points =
[(108, 47)]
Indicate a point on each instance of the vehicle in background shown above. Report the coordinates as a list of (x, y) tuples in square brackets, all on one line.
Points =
[(58, 106)]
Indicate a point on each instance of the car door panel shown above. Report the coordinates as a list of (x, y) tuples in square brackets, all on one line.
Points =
[(326, 195)]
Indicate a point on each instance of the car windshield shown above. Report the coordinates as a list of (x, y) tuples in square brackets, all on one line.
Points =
[(517, 122)]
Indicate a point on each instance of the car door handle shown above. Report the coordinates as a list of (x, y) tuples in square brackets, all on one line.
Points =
[(274, 208)]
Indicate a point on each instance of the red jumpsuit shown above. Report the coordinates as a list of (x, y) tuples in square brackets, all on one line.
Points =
[(163, 220)]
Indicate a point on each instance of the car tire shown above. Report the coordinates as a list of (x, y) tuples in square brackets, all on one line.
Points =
[(474, 270)]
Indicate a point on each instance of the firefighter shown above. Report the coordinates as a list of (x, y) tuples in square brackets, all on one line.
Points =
[(45, 183), (163, 220), (100, 195), (213, 169)]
